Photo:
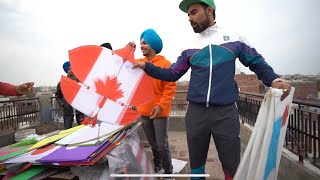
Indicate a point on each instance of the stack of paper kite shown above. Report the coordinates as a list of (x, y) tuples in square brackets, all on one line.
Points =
[(67, 148)]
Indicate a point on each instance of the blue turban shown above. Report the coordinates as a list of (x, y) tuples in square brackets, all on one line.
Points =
[(153, 39), (66, 66)]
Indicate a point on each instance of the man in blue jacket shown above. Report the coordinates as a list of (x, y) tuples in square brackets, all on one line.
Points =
[(212, 89)]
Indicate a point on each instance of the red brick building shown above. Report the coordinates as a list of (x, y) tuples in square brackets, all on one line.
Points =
[(305, 89), (249, 83)]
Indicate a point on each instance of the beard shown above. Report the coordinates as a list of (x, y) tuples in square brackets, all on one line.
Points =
[(72, 76), (145, 53), (200, 27)]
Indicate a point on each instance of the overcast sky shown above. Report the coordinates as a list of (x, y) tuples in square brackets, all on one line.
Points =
[(35, 35)]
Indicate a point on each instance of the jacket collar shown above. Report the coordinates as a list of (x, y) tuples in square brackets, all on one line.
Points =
[(209, 30)]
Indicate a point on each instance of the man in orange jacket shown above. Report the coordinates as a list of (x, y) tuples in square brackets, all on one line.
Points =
[(155, 114)]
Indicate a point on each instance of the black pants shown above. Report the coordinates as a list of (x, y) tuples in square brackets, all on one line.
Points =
[(156, 131), (68, 119), (220, 122)]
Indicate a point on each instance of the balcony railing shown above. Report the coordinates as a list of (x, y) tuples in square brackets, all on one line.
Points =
[(302, 134), (57, 111), (179, 104), (15, 114)]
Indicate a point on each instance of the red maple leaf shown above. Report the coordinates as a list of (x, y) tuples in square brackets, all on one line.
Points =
[(88, 121), (109, 89)]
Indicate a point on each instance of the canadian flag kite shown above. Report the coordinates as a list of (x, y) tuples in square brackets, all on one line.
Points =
[(108, 85)]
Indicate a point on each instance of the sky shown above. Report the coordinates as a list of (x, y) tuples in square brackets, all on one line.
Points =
[(36, 35)]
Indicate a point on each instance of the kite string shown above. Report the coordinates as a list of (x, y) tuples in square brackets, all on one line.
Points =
[(98, 131), (125, 58)]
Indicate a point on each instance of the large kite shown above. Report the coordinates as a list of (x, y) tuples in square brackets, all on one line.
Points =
[(108, 86), (262, 156)]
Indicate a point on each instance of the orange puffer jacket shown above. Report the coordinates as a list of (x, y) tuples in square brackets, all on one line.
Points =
[(164, 91)]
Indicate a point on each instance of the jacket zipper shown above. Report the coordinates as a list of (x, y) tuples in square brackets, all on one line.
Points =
[(210, 77)]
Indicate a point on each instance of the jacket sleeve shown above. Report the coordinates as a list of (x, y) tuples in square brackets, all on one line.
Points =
[(7, 89), (172, 73), (168, 93), (249, 57), (59, 96)]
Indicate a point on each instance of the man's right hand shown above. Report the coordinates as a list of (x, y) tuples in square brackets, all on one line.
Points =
[(141, 65), (25, 88)]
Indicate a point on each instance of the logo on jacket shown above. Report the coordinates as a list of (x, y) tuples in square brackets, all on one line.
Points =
[(226, 38)]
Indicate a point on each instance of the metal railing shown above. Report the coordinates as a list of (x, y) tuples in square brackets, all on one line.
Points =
[(303, 130), (179, 104), (57, 111), (15, 114)]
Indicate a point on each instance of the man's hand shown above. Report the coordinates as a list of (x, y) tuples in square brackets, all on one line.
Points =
[(141, 65), (132, 44), (25, 88), (133, 108), (279, 84), (155, 112)]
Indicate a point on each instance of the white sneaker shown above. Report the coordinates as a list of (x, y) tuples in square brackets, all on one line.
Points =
[(159, 171)]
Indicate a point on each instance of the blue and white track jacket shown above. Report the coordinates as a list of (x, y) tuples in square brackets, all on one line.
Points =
[(212, 61)]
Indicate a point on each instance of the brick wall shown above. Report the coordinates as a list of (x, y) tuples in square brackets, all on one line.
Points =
[(249, 83), (305, 89), (246, 83)]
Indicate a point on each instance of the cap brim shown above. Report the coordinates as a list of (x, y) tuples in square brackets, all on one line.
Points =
[(185, 4)]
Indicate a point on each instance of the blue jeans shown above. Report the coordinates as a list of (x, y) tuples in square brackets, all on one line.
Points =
[(156, 131)]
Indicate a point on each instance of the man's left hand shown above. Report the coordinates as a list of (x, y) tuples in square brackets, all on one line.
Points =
[(155, 112), (284, 86)]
